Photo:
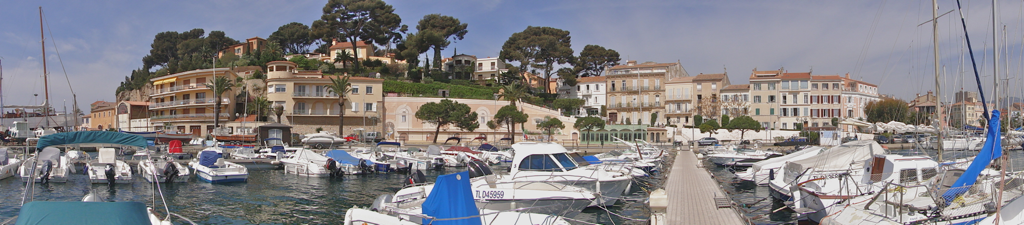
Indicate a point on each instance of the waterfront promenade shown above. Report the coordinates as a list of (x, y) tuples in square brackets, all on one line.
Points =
[(692, 192)]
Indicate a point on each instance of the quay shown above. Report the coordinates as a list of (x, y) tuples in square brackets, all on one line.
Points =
[(696, 198)]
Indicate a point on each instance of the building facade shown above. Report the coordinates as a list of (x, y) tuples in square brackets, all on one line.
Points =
[(101, 116), (309, 104), (706, 91), (133, 116), (183, 102), (250, 45), (488, 68), (764, 93), (826, 100), (679, 101), (364, 51), (593, 91), (735, 100), (635, 91), (856, 95)]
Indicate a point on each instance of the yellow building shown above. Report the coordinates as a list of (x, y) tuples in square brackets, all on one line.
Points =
[(101, 116), (250, 45), (184, 103), (309, 104), (635, 91)]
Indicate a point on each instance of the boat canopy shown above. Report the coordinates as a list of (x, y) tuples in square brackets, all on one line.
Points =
[(208, 157), (83, 137), (3, 156), (389, 143), (43, 212), (343, 157), (487, 147), (50, 153), (433, 150), (174, 147), (592, 159), (451, 197), (851, 155), (802, 154), (305, 155)]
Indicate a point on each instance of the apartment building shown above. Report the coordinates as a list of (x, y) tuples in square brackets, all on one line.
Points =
[(826, 100), (857, 94), (133, 116), (679, 101), (309, 104), (635, 91), (593, 91), (101, 116), (966, 113), (250, 45), (922, 103), (707, 88), (365, 50), (461, 66), (184, 103), (764, 94), (488, 68), (735, 100)]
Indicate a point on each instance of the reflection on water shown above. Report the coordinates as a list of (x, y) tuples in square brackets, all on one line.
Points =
[(270, 196)]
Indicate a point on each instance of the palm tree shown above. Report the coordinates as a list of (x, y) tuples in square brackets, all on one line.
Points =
[(341, 87), (344, 57), (259, 106), (220, 85), (278, 110)]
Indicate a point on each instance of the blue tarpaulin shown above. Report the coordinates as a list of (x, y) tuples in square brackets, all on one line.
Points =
[(451, 198), (487, 147), (592, 159), (343, 157), (83, 213), (969, 127), (992, 149), (276, 149), (90, 137), (389, 143), (208, 158)]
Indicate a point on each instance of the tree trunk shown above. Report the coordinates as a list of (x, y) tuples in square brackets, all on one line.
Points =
[(437, 131), (513, 134), (742, 132), (355, 54), (216, 114), (341, 118), (437, 57)]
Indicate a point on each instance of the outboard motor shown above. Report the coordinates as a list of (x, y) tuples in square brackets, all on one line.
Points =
[(379, 202), (416, 178), (170, 172), (110, 173), (365, 168), (332, 168), (45, 174), (438, 164)]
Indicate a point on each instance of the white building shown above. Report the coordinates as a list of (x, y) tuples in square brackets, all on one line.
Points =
[(593, 91)]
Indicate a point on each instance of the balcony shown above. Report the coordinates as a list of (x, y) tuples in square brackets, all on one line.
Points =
[(187, 102), (175, 89), (307, 112), (314, 95), (200, 116), (585, 92)]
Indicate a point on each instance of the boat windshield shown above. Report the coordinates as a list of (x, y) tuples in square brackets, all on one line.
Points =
[(565, 161), (579, 159), (539, 163)]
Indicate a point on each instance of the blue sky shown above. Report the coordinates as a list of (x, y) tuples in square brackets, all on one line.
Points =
[(879, 42)]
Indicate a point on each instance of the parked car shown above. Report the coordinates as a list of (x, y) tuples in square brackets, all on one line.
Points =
[(707, 141), (896, 138), (882, 139), (373, 137), (909, 139), (794, 141)]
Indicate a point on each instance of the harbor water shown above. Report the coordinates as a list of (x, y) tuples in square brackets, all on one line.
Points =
[(757, 205), (269, 197)]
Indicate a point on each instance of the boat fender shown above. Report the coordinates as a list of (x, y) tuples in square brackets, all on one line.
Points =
[(170, 172), (109, 172), (47, 167), (771, 174), (379, 202)]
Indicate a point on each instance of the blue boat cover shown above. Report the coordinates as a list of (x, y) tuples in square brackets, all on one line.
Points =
[(343, 157), (992, 149), (487, 147), (276, 149), (208, 158), (451, 197), (42, 212), (592, 159), (98, 137), (389, 143)]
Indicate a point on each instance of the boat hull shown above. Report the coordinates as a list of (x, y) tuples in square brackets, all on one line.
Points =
[(9, 170), (558, 207), (208, 178)]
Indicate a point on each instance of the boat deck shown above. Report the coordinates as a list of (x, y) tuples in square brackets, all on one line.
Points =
[(694, 197)]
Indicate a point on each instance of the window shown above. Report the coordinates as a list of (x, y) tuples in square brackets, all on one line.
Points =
[(714, 86), (806, 112), (566, 162), (279, 88), (784, 126), (355, 89), (824, 86), (757, 112), (355, 107), (300, 107), (201, 95), (238, 51), (368, 107), (300, 90), (908, 175), (849, 113), (849, 99), (784, 99), (492, 66), (699, 86), (369, 89), (803, 85), (835, 86), (275, 133), (814, 86), (757, 87), (771, 99), (814, 124), (771, 86), (597, 87), (725, 97), (479, 66), (539, 163), (757, 99), (805, 98), (772, 111), (785, 85)]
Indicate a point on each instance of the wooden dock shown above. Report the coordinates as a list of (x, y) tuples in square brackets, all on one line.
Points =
[(694, 197)]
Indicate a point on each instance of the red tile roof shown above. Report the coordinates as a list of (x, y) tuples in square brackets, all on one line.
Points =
[(826, 77), (737, 87), (707, 77), (341, 45), (591, 79), (680, 80), (796, 76), (642, 65)]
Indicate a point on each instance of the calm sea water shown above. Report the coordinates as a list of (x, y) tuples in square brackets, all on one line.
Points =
[(269, 197), (758, 205)]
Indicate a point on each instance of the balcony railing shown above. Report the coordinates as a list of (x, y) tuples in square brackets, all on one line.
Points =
[(189, 116), (181, 87), (198, 101), (307, 112), (315, 95)]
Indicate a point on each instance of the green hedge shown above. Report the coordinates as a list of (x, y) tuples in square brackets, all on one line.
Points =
[(430, 90)]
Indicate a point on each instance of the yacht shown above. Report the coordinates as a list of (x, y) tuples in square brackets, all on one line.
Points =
[(108, 169), (741, 157), (550, 162), (306, 163), (344, 163), (47, 166), (8, 165), (211, 167), (844, 160), (762, 172), (243, 152), (322, 139), (491, 193), (400, 160), (163, 169), (450, 197)]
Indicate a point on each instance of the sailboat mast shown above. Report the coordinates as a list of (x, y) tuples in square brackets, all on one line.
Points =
[(938, 103), (46, 89), (995, 54)]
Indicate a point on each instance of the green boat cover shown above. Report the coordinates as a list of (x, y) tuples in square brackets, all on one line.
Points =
[(90, 137), (42, 212)]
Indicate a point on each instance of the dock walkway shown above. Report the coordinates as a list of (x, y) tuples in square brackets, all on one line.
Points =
[(691, 195)]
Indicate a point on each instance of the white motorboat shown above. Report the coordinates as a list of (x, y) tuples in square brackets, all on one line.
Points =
[(276, 149), (322, 139), (449, 198), (344, 163), (847, 159), (761, 172), (490, 193), (741, 157), (550, 162), (160, 169), (211, 167), (400, 160), (306, 163), (107, 169), (961, 142), (242, 152), (47, 166), (8, 165)]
